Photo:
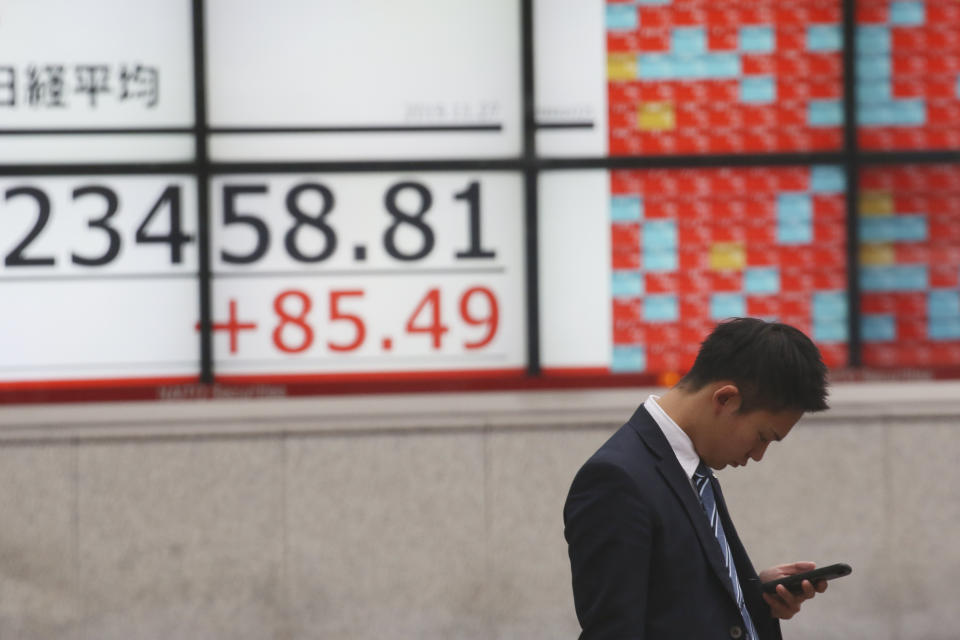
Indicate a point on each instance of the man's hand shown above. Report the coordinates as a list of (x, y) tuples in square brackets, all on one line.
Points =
[(784, 604)]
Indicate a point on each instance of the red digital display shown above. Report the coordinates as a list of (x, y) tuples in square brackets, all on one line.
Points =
[(908, 74), (724, 76), (910, 265), (692, 247)]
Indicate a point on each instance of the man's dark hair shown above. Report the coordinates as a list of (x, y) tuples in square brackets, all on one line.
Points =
[(775, 366)]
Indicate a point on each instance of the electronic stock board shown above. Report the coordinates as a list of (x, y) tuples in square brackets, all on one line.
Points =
[(129, 185)]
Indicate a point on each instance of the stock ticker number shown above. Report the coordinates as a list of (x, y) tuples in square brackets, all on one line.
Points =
[(294, 331), (319, 221), (426, 318), (169, 202)]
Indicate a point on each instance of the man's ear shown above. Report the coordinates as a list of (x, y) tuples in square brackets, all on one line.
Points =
[(726, 399)]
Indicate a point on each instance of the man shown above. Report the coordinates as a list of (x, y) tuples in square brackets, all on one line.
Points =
[(653, 551)]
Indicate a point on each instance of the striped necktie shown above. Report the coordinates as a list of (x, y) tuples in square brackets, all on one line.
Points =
[(701, 478)]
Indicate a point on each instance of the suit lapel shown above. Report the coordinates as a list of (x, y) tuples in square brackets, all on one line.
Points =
[(744, 566), (675, 478), (748, 574), (749, 580)]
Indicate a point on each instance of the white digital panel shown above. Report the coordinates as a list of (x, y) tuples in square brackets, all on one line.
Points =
[(372, 273), (104, 81), (98, 278), (363, 79), (571, 77), (575, 273)]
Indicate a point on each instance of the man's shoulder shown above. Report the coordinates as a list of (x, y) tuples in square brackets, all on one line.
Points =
[(624, 465), (625, 448)]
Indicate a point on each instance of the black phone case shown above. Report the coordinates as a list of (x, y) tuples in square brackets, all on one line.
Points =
[(794, 582)]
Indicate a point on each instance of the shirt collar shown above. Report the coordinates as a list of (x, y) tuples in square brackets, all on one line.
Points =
[(679, 441)]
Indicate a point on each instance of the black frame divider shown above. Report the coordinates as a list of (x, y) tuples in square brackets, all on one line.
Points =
[(203, 193), (852, 173), (531, 184)]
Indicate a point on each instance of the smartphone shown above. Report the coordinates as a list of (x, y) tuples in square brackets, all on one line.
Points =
[(794, 582)]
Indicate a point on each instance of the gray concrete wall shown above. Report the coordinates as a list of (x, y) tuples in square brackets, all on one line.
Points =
[(435, 516)]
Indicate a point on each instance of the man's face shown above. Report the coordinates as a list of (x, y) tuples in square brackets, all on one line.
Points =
[(739, 437)]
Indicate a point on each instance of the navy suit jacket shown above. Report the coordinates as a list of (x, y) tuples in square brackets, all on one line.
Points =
[(645, 562)]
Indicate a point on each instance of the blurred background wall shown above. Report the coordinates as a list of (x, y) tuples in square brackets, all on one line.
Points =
[(435, 516)]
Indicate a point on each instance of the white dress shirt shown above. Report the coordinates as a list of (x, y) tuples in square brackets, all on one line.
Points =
[(679, 440)]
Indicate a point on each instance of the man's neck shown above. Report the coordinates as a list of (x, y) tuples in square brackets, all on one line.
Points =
[(678, 404)]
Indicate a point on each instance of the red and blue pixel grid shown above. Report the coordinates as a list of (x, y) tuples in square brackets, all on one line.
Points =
[(691, 247), (908, 74), (724, 76), (910, 265)]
